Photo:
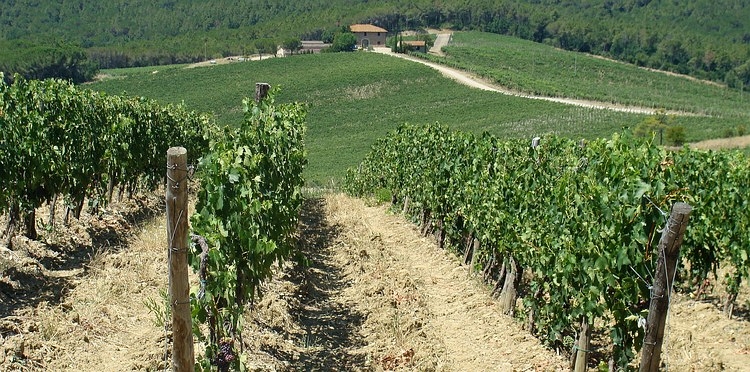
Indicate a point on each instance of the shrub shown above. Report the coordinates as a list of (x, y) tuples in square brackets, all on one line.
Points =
[(741, 130), (676, 135)]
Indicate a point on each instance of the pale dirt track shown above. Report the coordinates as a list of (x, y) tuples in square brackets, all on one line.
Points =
[(722, 143), (448, 317), (475, 82), (467, 79), (441, 39)]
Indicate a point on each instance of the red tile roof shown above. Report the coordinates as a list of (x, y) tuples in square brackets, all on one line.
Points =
[(366, 28)]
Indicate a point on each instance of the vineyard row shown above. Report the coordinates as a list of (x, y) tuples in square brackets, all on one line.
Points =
[(58, 140), (570, 227), (248, 206)]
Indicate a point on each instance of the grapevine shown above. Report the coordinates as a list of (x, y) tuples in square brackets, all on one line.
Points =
[(248, 202), (580, 219), (61, 140)]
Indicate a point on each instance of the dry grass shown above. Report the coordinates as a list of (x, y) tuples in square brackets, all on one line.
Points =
[(105, 324), (363, 92), (376, 296), (425, 312), (91, 313), (723, 143)]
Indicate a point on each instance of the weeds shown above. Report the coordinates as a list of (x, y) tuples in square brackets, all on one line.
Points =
[(159, 308)]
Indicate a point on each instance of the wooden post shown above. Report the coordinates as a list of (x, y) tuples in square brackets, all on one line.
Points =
[(582, 348), (177, 238), (669, 251), (510, 287), (261, 91), (468, 249)]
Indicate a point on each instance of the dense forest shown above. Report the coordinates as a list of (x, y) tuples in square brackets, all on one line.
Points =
[(707, 39)]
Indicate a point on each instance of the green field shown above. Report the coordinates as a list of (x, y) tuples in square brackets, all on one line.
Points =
[(355, 98), (540, 69)]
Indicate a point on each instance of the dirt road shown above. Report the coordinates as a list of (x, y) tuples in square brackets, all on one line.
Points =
[(441, 39), (475, 82)]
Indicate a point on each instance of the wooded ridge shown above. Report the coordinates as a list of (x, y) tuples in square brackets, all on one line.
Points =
[(705, 39)]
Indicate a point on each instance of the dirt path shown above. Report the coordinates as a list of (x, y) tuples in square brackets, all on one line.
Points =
[(378, 296), (375, 295), (445, 316), (476, 82), (409, 306), (441, 39)]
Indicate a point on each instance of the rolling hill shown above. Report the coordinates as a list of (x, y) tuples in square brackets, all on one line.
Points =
[(708, 39), (355, 98)]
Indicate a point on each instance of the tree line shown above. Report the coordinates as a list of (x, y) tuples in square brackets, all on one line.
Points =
[(709, 40), (42, 61)]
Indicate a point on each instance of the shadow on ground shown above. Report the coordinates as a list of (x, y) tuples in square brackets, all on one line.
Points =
[(331, 335), (48, 271)]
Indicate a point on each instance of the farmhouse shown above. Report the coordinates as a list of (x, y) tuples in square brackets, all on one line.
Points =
[(416, 45), (369, 35), (313, 46)]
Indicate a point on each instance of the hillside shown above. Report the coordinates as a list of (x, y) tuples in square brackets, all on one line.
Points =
[(709, 39), (535, 68), (355, 98)]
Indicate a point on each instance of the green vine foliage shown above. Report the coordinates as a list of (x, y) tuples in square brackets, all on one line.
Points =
[(58, 139), (581, 219), (248, 204)]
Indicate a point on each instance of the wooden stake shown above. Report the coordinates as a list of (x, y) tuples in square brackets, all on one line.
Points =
[(669, 251), (582, 349), (261, 91), (510, 287), (183, 359)]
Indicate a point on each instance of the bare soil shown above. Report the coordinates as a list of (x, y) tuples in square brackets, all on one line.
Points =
[(723, 143), (75, 299), (374, 295), (231, 59)]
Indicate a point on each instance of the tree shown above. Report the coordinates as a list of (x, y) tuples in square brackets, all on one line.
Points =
[(344, 42), (266, 46), (50, 60), (659, 123), (676, 135), (743, 76), (292, 44)]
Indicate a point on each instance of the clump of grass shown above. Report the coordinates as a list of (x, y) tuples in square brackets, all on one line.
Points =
[(159, 309)]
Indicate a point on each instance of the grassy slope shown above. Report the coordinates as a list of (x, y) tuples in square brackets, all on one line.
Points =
[(357, 97), (540, 69)]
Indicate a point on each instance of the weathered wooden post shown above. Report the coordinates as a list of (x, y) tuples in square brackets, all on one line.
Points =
[(177, 238), (509, 293), (669, 251), (261, 91), (581, 350)]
